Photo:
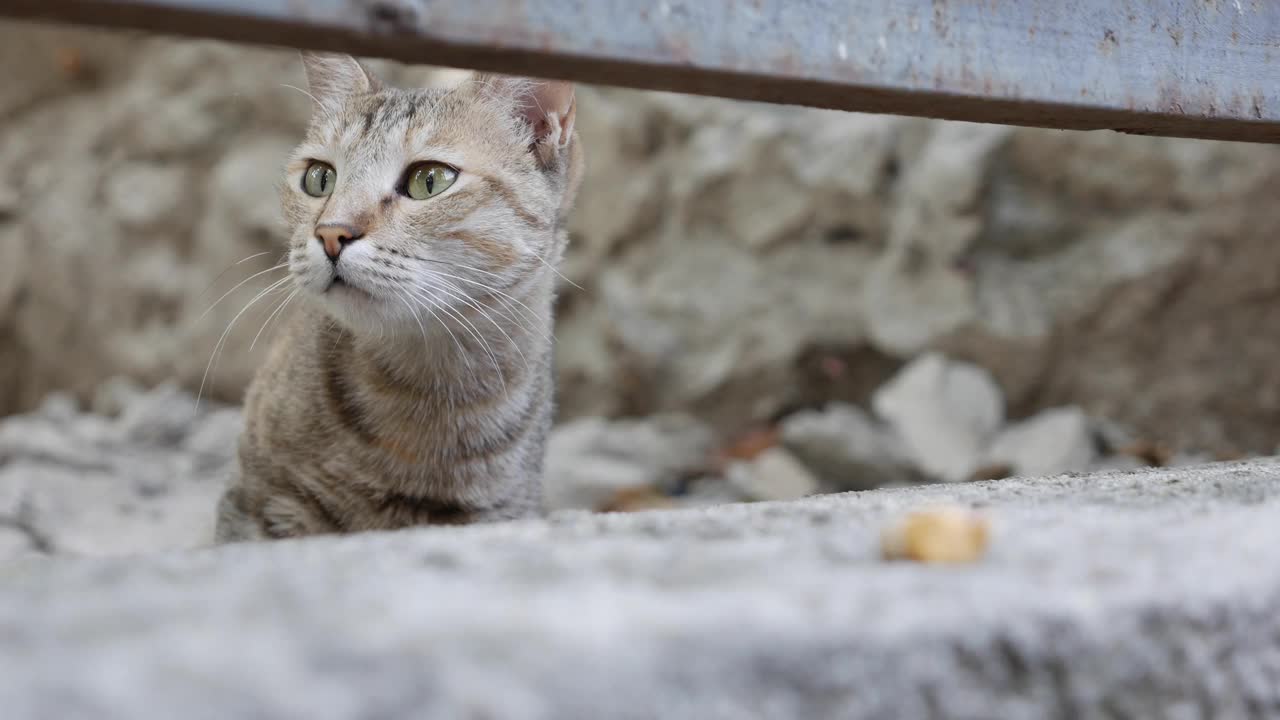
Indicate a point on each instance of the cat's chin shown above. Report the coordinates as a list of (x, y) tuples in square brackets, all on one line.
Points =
[(340, 288), (354, 307)]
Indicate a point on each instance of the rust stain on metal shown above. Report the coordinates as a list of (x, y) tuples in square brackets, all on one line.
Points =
[(789, 64), (940, 26), (1108, 41), (389, 17), (71, 62), (681, 49), (1170, 99)]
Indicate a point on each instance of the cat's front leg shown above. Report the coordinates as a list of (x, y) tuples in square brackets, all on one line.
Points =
[(235, 521)]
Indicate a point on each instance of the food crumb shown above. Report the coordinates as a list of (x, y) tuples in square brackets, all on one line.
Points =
[(937, 535), (636, 499)]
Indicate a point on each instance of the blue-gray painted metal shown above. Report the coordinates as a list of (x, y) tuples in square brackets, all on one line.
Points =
[(1200, 68)]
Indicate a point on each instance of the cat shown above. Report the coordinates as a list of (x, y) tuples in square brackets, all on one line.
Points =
[(413, 384)]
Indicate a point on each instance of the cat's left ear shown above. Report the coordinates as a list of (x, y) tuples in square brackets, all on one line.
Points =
[(334, 78), (548, 106)]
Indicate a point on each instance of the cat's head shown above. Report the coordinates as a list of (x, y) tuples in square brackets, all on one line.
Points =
[(406, 203)]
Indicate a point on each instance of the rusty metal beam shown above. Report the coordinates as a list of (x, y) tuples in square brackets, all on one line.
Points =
[(1194, 68)]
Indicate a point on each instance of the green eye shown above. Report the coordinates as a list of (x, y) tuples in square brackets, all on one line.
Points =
[(428, 179), (319, 179)]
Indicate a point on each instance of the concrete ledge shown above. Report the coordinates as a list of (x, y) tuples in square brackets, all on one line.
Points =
[(1144, 594)]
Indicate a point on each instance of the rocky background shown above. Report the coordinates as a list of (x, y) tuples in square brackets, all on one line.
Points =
[(767, 301)]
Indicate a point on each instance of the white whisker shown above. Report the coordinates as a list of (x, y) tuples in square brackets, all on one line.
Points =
[(238, 286), (535, 320), (460, 296), (553, 269), (272, 316), (304, 92), (217, 348), (462, 353), (229, 268), (474, 332)]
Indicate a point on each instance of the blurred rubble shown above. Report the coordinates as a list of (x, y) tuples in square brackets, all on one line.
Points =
[(141, 469)]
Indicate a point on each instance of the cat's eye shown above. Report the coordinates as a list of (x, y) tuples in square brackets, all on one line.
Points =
[(319, 179), (428, 179)]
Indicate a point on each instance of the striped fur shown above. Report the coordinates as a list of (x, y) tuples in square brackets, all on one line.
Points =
[(418, 390)]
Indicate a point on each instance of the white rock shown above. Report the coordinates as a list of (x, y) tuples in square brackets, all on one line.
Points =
[(1053, 442), (114, 394), (57, 406), (148, 479), (1112, 435), (589, 460), (774, 474), (14, 543), (914, 293), (946, 413), (217, 433), (66, 442), (847, 448), (163, 416)]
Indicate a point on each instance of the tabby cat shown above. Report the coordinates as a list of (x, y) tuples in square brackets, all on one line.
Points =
[(412, 382)]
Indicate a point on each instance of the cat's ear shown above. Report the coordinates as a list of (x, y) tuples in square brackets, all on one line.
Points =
[(547, 106), (333, 78)]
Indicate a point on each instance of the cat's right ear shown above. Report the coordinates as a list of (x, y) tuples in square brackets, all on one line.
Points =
[(332, 79), (547, 107)]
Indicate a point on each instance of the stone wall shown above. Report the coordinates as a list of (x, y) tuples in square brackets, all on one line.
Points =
[(735, 261)]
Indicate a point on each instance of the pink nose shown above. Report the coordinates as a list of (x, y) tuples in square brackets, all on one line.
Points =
[(335, 236)]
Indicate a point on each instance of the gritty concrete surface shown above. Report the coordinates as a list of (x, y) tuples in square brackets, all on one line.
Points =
[(1140, 594)]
